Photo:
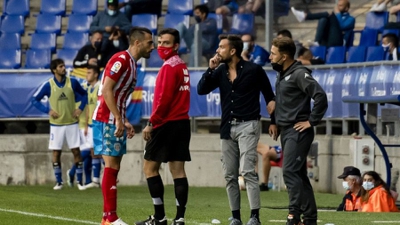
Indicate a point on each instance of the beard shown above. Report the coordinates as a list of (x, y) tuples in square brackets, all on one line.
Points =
[(226, 60)]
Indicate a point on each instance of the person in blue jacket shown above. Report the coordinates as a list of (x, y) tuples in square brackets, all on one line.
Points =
[(253, 52), (334, 29)]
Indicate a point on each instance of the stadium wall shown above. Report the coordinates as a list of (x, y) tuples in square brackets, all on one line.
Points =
[(26, 160)]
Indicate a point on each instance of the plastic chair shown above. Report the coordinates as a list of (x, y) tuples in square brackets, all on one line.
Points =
[(79, 23), (68, 55), (154, 60), (47, 23), (242, 24), (146, 20), (38, 59), (16, 7), (172, 20), (319, 51), (184, 7), (376, 20), (368, 37), (375, 53), (43, 41), (75, 40), (218, 18), (85, 7), (10, 41), (356, 54), (55, 7), (10, 59), (13, 24), (335, 55)]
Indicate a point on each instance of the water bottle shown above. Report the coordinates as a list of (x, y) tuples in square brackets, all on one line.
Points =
[(270, 184), (278, 150), (275, 184)]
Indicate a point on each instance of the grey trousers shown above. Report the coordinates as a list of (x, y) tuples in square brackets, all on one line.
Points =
[(295, 146), (239, 154)]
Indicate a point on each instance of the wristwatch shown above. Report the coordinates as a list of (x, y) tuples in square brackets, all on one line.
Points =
[(149, 123)]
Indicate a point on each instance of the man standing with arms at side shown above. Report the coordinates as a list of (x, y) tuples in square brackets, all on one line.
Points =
[(110, 124), (168, 131), (240, 83), (295, 87), (63, 93)]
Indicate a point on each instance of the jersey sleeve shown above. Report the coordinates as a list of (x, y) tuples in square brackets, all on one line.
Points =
[(116, 67)]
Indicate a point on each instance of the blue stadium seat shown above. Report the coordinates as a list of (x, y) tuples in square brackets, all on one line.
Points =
[(376, 20), (335, 55), (75, 40), (10, 41), (13, 24), (171, 20), (356, 54), (218, 18), (368, 37), (16, 7), (47, 23), (68, 55), (86, 7), (146, 20), (319, 51), (391, 31), (375, 53), (184, 7), (242, 24), (79, 23), (154, 60), (55, 7), (38, 59), (43, 41), (10, 59)]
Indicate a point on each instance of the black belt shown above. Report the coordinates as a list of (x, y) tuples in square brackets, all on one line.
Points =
[(235, 121)]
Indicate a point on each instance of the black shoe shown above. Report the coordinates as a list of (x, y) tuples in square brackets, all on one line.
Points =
[(292, 220), (264, 187), (152, 221), (309, 222), (180, 221)]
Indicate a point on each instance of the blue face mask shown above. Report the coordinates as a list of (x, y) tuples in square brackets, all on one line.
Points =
[(197, 18), (368, 185), (111, 12), (385, 47)]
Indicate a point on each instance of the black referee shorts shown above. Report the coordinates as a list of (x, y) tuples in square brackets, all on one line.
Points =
[(170, 142)]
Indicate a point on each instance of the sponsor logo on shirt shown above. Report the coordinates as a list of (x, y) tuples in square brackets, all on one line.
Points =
[(62, 97), (287, 77), (115, 68)]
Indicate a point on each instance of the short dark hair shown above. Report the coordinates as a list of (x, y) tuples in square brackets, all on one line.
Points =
[(302, 51), (285, 45), (96, 31), (173, 32), (94, 68), (252, 37), (235, 41), (392, 38), (137, 33), (203, 9), (54, 63), (285, 33)]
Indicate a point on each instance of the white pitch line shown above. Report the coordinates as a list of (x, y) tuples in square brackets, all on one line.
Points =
[(386, 221), (47, 216)]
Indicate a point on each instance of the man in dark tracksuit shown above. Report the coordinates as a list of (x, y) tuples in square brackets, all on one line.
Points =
[(295, 87)]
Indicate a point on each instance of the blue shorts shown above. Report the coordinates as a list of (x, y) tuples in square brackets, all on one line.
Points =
[(233, 7), (105, 143)]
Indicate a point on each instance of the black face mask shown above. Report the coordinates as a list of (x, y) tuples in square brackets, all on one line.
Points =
[(276, 66), (197, 18)]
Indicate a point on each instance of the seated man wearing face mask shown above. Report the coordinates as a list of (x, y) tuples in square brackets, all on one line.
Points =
[(90, 53), (390, 42), (109, 20), (253, 52), (208, 27), (377, 197), (117, 42), (352, 183)]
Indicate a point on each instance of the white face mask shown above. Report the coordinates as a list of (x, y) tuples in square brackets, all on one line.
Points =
[(116, 43), (346, 185), (386, 47), (111, 12), (368, 185), (246, 46)]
